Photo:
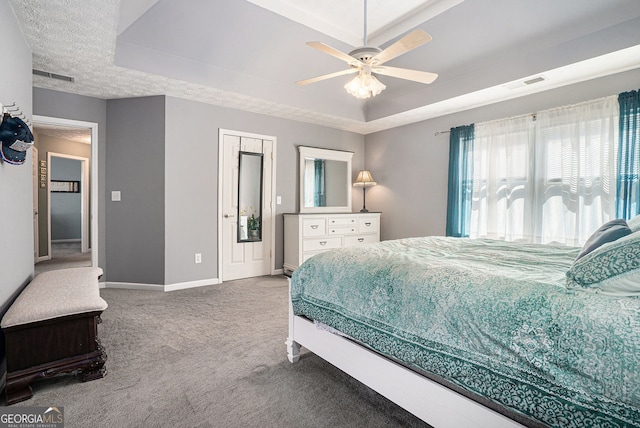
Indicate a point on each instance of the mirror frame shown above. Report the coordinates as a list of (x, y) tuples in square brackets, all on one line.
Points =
[(241, 156), (327, 154)]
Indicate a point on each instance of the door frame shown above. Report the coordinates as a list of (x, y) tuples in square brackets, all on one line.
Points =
[(94, 206), (221, 133), (84, 198), (36, 205)]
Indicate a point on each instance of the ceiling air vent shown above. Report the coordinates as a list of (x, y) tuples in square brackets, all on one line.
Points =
[(534, 80), (53, 76), (522, 83)]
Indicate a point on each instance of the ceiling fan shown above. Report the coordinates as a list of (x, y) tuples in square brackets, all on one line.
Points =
[(369, 60)]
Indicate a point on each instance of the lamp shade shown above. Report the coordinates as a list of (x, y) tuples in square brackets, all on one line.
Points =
[(364, 85), (364, 179)]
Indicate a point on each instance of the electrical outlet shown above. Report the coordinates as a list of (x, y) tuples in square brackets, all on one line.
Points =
[(198, 258)]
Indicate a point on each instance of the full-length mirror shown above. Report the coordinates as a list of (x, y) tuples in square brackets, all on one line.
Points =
[(250, 197), (325, 180)]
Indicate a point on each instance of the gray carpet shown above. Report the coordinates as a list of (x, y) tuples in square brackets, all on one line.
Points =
[(211, 357), (64, 255)]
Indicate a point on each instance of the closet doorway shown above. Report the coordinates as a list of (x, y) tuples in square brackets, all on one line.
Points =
[(246, 208)]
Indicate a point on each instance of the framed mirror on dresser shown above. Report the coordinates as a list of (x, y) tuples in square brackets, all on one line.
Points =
[(325, 220), (325, 180)]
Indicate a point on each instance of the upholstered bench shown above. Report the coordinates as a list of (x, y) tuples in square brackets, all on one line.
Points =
[(52, 328)]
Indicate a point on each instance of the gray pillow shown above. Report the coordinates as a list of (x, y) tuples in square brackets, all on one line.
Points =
[(608, 232)]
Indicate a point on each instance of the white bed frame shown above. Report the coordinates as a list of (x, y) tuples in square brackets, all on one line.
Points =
[(428, 400)]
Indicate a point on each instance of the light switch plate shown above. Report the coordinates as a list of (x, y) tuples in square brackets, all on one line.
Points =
[(116, 196)]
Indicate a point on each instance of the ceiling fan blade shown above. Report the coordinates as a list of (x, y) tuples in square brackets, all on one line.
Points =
[(403, 73), (327, 76), (410, 41), (334, 52)]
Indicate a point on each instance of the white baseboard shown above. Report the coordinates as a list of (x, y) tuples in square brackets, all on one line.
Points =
[(278, 272), (159, 287), (191, 284), (134, 286), (43, 259)]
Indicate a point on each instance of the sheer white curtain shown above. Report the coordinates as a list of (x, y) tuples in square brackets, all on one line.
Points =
[(575, 170), (551, 179), (501, 197)]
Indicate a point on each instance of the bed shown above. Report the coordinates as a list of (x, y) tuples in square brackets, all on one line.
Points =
[(480, 332)]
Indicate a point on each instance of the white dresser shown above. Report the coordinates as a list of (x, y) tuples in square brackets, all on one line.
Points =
[(306, 235)]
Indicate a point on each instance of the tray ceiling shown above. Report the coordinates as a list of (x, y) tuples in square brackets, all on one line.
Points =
[(248, 54)]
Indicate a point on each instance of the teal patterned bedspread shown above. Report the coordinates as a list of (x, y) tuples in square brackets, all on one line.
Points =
[(491, 317)]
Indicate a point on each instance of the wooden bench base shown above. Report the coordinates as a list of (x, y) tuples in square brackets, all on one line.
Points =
[(48, 348)]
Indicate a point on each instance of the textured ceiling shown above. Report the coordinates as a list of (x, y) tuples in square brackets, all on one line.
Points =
[(76, 134), (240, 55)]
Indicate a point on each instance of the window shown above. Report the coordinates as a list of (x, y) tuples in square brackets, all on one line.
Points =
[(549, 178)]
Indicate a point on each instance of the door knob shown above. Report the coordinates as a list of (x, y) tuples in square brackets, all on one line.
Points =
[(229, 215)]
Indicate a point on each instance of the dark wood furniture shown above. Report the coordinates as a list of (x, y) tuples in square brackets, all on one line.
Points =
[(52, 328), (47, 348)]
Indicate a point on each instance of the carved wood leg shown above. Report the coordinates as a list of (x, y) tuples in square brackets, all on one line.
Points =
[(18, 390), (89, 375), (95, 370)]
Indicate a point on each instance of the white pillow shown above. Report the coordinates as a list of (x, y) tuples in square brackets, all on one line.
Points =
[(613, 268), (634, 223)]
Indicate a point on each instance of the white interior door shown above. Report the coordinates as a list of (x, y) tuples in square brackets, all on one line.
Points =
[(245, 259)]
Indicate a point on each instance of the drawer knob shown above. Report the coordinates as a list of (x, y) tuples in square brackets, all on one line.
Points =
[(314, 226), (368, 224), (323, 243), (360, 239)]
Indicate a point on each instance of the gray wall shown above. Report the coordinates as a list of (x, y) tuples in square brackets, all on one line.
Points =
[(162, 154), (135, 163), (66, 208), (410, 163), (46, 144), (16, 208), (192, 177), (87, 109)]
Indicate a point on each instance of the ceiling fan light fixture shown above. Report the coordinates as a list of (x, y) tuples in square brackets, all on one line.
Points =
[(364, 86)]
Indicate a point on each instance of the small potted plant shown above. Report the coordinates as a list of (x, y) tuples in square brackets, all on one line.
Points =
[(253, 224)]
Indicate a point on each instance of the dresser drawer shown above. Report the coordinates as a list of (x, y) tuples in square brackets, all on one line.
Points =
[(352, 241), (342, 221), (321, 244), (314, 227), (342, 230), (369, 224)]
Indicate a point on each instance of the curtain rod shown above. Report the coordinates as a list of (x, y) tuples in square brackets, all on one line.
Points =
[(534, 116)]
